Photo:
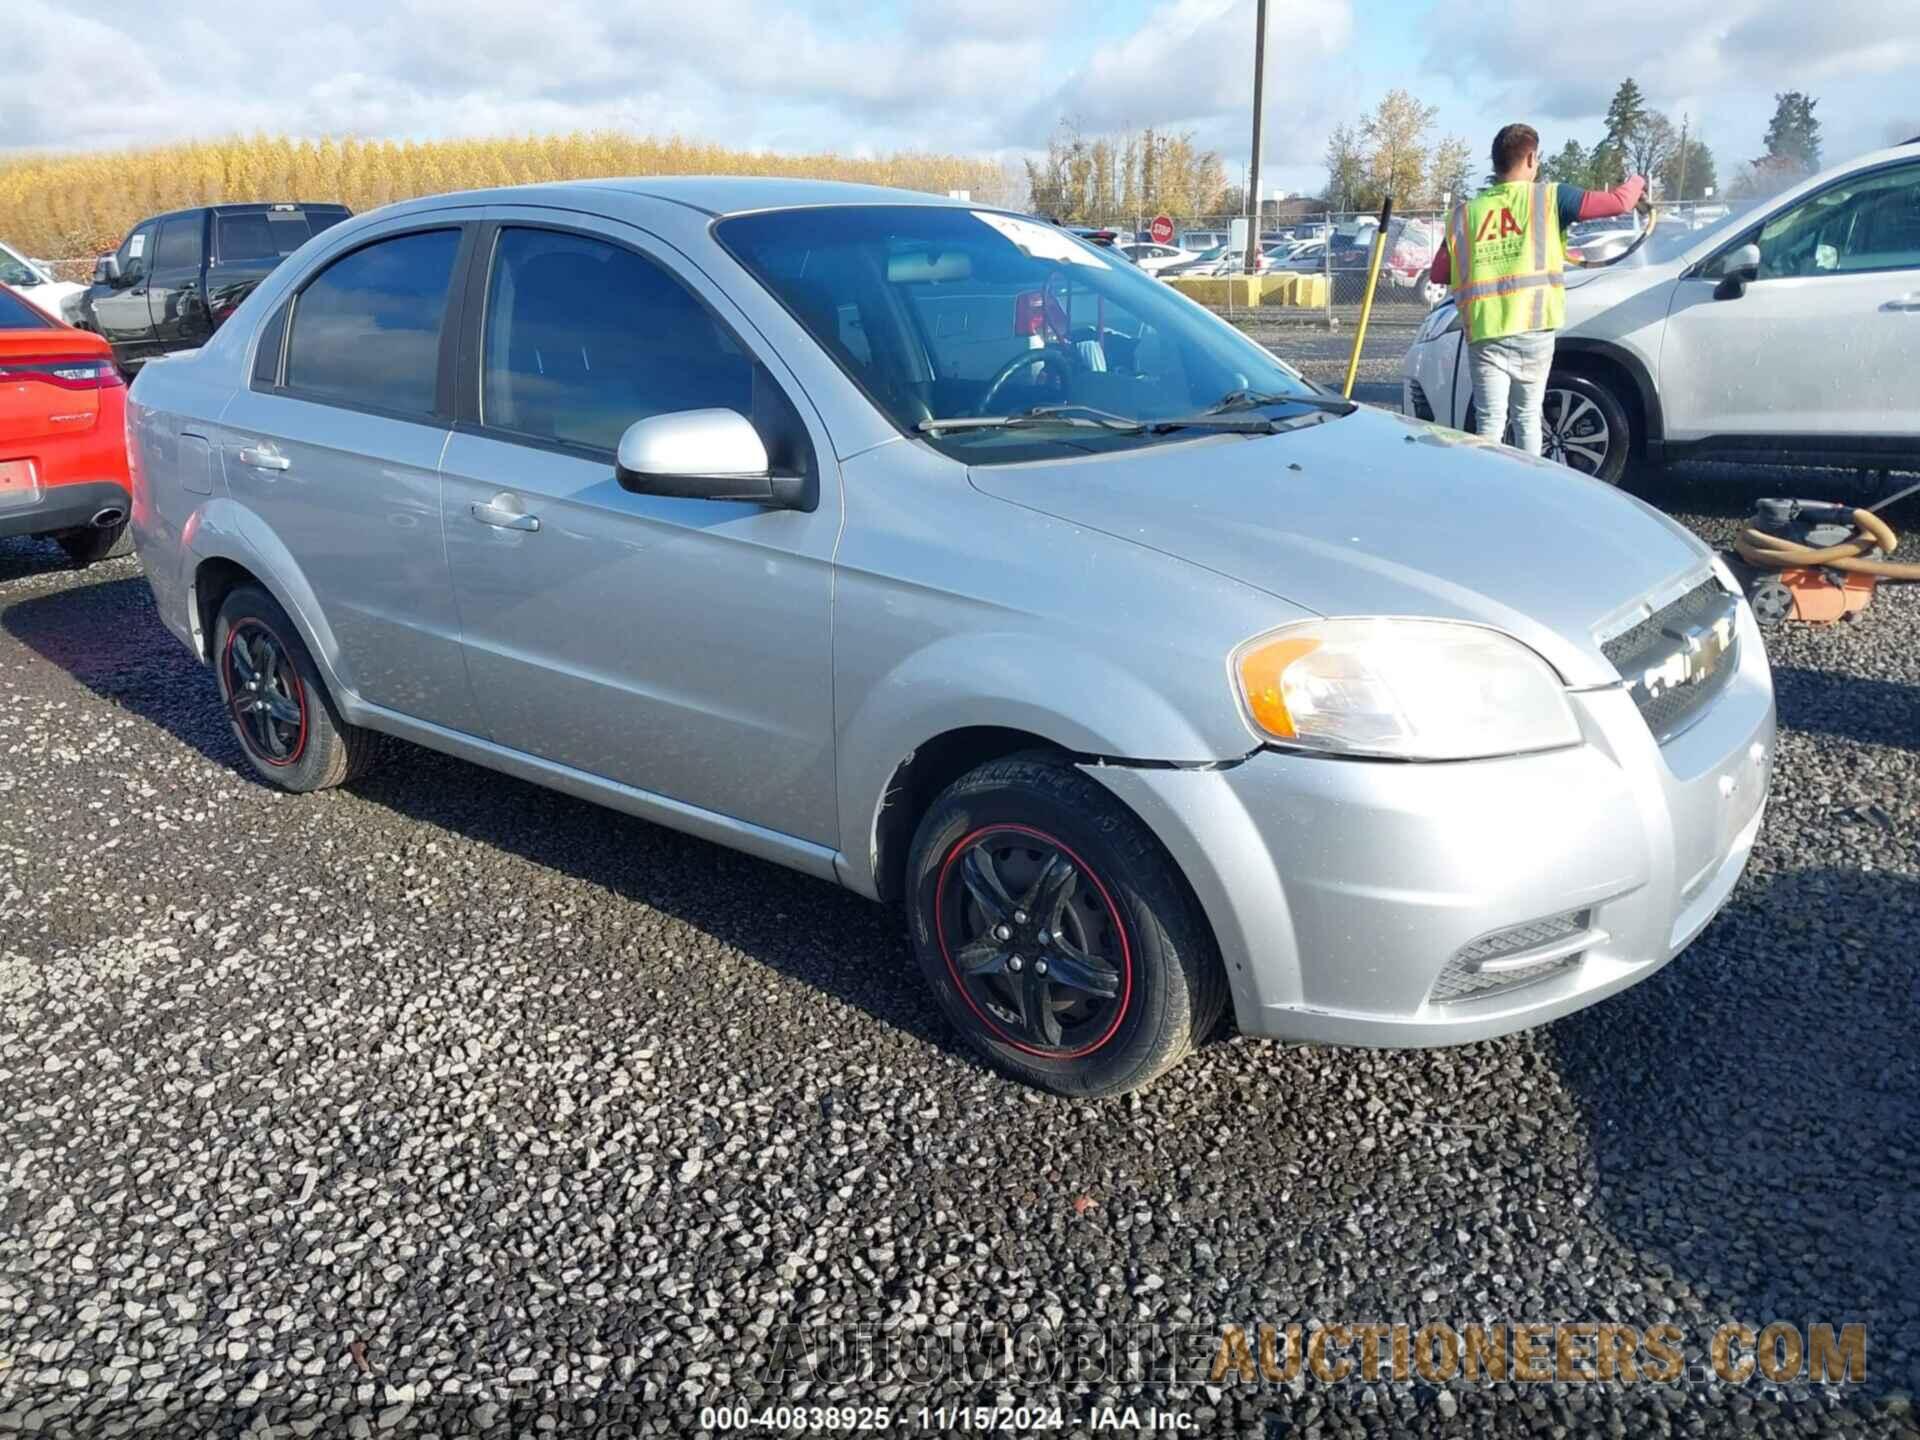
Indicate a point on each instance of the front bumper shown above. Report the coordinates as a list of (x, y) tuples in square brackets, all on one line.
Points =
[(1339, 891), (68, 506), (1435, 381)]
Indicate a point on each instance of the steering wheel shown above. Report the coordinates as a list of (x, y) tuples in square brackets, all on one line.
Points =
[(1054, 357)]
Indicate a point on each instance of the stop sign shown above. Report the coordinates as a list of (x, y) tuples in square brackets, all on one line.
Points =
[(1161, 230)]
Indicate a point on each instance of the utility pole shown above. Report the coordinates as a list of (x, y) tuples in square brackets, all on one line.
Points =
[(1685, 120), (1253, 174)]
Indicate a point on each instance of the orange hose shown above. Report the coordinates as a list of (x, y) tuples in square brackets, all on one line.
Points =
[(1870, 533)]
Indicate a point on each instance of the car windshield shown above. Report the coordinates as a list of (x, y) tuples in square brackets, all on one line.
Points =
[(15, 271), (949, 314)]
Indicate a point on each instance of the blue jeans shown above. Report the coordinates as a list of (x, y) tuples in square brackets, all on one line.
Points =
[(1510, 382)]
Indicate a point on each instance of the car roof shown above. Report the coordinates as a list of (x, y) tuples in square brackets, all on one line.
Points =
[(715, 195)]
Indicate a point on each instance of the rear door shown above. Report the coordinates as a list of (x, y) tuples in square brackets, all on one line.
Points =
[(176, 304), (336, 446), (120, 310), (1819, 352)]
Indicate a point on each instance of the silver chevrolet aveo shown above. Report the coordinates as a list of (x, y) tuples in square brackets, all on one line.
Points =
[(920, 546)]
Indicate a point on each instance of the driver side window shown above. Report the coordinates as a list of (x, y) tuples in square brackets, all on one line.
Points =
[(136, 254), (1865, 223)]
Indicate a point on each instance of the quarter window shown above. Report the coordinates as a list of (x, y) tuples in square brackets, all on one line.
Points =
[(366, 331), (583, 338), (1868, 222)]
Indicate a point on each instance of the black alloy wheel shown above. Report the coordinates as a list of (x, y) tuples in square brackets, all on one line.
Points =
[(265, 694), (1034, 941)]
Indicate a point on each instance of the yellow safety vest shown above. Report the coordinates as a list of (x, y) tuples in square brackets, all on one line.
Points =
[(1508, 257)]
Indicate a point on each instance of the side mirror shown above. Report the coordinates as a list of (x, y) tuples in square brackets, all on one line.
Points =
[(701, 455), (1741, 266), (106, 270)]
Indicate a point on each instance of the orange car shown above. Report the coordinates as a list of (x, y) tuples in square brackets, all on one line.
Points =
[(63, 435)]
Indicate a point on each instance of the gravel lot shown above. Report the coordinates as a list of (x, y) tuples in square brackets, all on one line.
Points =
[(450, 1105)]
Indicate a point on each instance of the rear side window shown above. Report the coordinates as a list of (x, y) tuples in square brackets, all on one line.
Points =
[(16, 314), (178, 247), (583, 338), (366, 330), (266, 358), (246, 237)]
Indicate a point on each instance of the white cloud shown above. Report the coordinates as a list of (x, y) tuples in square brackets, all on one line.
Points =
[(990, 76), (1718, 59)]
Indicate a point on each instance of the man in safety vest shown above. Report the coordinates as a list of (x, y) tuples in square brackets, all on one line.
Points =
[(1503, 255)]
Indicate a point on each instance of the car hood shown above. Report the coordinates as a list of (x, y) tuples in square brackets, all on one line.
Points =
[(1378, 514)]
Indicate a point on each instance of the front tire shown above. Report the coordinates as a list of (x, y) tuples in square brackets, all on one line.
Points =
[(1583, 425), (1056, 933), (276, 703), (92, 545)]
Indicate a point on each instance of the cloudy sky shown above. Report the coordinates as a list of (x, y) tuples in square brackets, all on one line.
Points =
[(986, 76)]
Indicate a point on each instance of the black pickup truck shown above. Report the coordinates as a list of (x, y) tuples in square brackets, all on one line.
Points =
[(176, 277)]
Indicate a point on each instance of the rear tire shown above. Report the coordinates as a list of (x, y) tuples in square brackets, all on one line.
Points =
[(1056, 933), (92, 545), (276, 703)]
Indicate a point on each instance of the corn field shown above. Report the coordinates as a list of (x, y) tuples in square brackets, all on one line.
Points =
[(83, 204)]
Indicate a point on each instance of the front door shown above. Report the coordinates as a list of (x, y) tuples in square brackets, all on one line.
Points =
[(1821, 346), (339, 455), (120, 310), (680, 646)]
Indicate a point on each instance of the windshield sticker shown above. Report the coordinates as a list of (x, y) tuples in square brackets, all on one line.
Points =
[(135, 246), (1043, 242)]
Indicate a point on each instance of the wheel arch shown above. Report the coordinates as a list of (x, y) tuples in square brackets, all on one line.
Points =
[(1628, 376), (223, 558)]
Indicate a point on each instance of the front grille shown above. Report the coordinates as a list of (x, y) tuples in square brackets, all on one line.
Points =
[(1477, 969), (1679, 658), (1417, 401)]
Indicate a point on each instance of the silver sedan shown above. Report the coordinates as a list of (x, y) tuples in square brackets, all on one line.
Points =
[(922, 547)]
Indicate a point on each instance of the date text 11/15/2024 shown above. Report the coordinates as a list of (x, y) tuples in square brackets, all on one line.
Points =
[(981, 1419)]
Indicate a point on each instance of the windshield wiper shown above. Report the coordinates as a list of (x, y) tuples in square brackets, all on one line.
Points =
[(1253, 399), (1087, 417)]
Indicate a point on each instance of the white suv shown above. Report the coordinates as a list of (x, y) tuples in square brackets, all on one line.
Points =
[(1787, 332)]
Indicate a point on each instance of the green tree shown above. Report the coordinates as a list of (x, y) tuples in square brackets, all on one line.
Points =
[(1626, 113), (1689, 180), (1794, 132), (1568, 167), (1396, 134)]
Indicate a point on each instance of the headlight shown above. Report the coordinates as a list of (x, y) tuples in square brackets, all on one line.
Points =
[(1443, 320), (1405, 689)]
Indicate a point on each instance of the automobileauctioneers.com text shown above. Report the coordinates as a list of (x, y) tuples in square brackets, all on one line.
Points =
[(1777, 1352)]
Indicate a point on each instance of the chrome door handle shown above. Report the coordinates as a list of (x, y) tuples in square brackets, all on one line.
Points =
[(503, 519), (264, 457), (1908, 303)]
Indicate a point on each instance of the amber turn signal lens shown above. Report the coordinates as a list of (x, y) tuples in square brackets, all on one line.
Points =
[(1261, 669)]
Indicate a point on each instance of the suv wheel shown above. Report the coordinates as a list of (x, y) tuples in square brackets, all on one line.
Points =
[(92, 545), (1055, 931), (1583, 426), (279, 710)]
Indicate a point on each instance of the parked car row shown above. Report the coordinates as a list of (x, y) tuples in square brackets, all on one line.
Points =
[(1785, 332), (936, 551)]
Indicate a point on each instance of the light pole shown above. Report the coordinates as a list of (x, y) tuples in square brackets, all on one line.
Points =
[(1253, 174)]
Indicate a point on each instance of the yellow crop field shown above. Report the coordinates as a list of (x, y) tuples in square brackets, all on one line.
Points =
[(63, 205)]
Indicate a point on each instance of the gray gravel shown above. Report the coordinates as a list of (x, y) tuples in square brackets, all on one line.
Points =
[(449, 1105)]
